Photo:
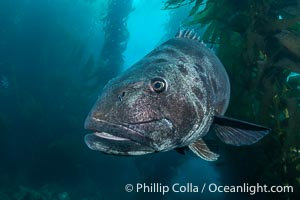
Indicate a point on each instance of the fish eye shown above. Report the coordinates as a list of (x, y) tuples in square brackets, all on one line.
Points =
[(158, 85)]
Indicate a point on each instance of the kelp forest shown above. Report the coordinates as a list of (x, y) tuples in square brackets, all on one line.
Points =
[(56, 56)]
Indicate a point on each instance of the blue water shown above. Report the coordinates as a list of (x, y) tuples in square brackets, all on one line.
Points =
[(49, 79)]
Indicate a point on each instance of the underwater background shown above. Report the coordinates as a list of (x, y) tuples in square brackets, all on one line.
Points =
[(56, 56)]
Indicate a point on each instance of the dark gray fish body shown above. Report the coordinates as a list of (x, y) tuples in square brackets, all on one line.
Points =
[(169, 99)]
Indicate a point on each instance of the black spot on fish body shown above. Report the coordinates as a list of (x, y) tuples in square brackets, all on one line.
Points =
[(197, 92), (180, 112), (199, 68), (183, 69)]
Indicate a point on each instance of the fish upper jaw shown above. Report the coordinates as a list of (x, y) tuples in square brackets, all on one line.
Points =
[(117, 130), (117, 139)]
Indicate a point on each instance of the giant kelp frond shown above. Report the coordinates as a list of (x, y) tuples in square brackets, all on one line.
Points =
[(115, 38), (172, 4)]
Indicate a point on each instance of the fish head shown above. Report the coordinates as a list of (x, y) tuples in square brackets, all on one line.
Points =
[(142, 111)]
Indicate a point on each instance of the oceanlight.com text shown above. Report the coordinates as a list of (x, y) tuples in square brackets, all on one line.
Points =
[(206, 187)]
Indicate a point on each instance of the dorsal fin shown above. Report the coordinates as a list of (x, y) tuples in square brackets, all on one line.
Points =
[(188, 33)]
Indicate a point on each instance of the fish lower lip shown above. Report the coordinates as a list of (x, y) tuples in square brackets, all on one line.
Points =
[(115, 132), (111, 144), (109, 136)]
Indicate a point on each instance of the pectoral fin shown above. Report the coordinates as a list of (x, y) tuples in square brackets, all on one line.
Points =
[(236, 132), (201, 149)]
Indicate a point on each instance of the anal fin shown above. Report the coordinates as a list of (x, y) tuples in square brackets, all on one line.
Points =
[(201, 149)]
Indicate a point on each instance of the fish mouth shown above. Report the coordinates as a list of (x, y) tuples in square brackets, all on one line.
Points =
[(109, 136), (116, 139)]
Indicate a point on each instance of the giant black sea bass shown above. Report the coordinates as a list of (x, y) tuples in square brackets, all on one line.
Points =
[(170, 99)]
